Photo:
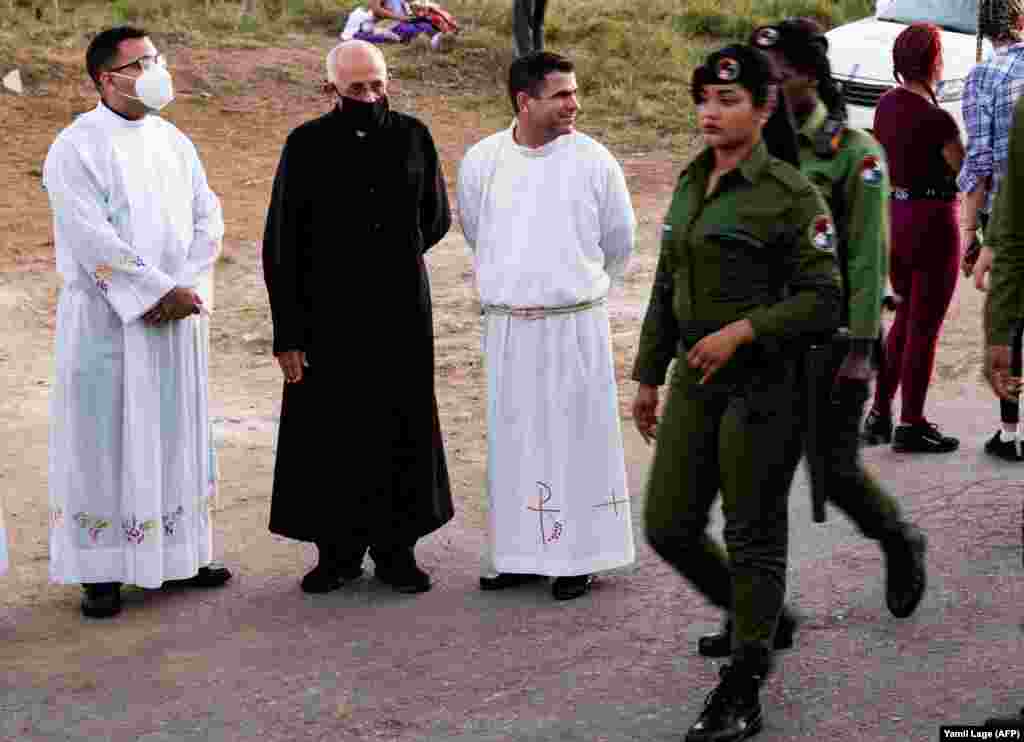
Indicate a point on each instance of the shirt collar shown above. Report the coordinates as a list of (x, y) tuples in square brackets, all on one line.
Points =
[(112, 117), (814, 122), (755, 164), (750, 169)]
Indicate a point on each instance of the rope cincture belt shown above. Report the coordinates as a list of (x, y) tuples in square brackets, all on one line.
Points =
[(539, 312)]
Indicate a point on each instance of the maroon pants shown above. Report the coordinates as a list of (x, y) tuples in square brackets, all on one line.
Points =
[(923, 270)]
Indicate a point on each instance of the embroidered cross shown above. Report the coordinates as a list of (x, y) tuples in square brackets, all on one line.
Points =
[(612, 503), (543, 498)]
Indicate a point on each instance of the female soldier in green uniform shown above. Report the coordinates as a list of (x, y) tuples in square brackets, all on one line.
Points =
[(746, 273), (847, 167)]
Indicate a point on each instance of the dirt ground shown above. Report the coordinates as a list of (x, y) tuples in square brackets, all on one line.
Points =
[(237, 106)]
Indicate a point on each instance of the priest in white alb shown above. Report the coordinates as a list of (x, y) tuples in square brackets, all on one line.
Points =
[(547, 213), (137, 232)]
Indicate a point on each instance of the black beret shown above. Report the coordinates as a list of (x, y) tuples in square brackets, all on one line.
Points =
[(736, 63)]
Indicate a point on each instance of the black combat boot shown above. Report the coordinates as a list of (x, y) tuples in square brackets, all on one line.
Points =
[(905, 574), (1015, 722), (732, 711), (719, 644), (877, 429)]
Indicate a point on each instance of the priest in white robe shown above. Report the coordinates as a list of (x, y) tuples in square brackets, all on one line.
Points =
[(547, 213), (137, 231)]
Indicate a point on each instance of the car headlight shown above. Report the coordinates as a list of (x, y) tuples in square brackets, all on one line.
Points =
[(950, 90)]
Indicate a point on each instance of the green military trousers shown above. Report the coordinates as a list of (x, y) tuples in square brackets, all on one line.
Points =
[(744, 446)]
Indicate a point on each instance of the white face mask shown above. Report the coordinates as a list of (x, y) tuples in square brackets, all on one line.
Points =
[(153, 88)]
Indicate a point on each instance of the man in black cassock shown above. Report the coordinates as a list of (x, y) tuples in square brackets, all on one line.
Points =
[(360, 460)]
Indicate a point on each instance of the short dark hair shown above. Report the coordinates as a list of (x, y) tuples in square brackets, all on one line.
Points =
[(103, 48), (527, 73), (998, 19)]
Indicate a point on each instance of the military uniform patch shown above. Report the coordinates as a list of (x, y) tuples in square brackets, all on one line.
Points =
[(728, 69), (871, 170), (767, 37), (823, 233)]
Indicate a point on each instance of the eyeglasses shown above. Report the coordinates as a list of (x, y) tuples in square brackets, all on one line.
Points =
[(143, 63)]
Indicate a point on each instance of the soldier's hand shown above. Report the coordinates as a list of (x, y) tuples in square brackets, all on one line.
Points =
[(997, 373), (645, 412), (971, 251), (714, 350), (856, 366), (292, 363), (981, 268)]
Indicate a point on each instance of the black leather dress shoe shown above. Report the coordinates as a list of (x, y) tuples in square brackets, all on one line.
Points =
[(568, 588), (101, 599), (404, 578), (508, 579), (324, 578), (212, 575), (719, 644)]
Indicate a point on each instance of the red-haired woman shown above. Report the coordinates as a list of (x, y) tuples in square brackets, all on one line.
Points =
[(923, 148)]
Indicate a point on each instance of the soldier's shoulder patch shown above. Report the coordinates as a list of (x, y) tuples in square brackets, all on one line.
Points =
[(823, 233), (871, 170)]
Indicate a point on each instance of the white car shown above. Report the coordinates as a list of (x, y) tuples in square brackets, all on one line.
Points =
[(861, 53)]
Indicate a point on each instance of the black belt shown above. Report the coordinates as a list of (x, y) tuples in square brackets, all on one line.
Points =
[(936, 193)]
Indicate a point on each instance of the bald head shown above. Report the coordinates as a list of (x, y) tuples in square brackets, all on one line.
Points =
[(357, 70)]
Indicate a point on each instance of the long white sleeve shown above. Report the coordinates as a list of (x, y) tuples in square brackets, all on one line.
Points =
[(208, 223), (618, 222), (468, 194), (82, 225)]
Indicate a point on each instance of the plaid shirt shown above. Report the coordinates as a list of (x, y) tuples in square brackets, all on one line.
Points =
[(990, 93)]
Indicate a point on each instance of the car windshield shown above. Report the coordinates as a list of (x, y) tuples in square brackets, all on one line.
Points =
[(951, 15)]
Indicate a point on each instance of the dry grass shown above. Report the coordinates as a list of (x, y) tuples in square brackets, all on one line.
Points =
[(634, 58)]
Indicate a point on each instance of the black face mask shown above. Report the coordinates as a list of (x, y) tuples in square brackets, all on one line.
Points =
[(361, 115)]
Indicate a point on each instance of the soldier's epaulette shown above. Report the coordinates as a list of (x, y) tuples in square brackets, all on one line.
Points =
[(788, 175)]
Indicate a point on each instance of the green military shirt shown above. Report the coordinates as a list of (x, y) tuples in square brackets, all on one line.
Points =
[(1004, 309), (853, 179), (734, 255)]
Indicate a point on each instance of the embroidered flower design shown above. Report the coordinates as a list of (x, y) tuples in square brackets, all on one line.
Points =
[(91, 524), (56, 517), (102, 276), (171, 519), (556, 532), (135, 530), (131, 261)]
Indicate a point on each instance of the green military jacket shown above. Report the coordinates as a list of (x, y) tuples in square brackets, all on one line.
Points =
[(761, 247), (851, 175), (1004, 308)]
